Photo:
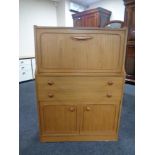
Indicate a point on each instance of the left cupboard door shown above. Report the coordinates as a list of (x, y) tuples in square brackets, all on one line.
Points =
[(59, 119)]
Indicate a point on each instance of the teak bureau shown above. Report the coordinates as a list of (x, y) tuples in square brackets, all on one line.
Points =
[(79, 82)]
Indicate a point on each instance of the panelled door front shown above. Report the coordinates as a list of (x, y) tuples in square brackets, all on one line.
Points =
[(80, 52), (59, 119), (99, 119)]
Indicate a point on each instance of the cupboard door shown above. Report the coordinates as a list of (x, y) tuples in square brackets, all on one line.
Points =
[(59, 119), (91, 20), (99, 119)]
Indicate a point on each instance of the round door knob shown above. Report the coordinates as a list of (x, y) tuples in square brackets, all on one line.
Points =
[(109, 95), (110, 83), (71, 109), (50, 95), (50, 83), (87, 108)]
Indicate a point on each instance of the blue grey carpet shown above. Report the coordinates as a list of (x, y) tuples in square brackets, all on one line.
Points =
[(29, 140)]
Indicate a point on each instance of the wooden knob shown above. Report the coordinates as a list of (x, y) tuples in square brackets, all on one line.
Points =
[(50, 83), (72, 109), (110, 83), (50, 95), (109, 95), (87, 108)]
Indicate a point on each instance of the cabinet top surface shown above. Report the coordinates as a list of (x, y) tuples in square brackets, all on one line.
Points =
[(79, 28)]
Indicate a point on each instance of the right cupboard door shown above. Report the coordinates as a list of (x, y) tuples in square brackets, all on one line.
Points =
[(99, 119)]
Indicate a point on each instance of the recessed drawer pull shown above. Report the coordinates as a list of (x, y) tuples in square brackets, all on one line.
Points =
[(82, 37), (50, 83), (110, 83), (88, 109), (109, 95), (71, 109), (50, 95)]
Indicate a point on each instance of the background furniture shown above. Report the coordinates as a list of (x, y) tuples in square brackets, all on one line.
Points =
[(91, 18), (114, 24), (26, 69), (129, 21), (79, 82)]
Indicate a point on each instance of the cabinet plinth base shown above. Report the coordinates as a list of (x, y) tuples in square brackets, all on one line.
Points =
[(78, 138)]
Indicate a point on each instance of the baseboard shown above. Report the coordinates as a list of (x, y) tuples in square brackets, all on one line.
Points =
[(26, 81)]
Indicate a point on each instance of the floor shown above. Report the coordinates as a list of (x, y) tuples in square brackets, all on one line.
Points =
[(29, 140)]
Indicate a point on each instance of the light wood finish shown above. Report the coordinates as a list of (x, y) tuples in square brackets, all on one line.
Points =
[(59, 119), (79, 88), (79, 83), (62, 138), (99, 119), (78, 55)]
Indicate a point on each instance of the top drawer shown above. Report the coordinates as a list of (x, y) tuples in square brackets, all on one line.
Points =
[(80, 50), (25, 62)]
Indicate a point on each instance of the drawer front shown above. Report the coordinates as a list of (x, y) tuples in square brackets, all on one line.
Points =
[(80, 50), (25, 75), (25, 62), (24, 67), (79, 88)]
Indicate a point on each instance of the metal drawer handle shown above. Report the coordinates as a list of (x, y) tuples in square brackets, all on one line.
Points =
[(82, 37)]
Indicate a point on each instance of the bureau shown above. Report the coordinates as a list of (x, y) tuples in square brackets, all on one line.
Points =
[(79, 82)]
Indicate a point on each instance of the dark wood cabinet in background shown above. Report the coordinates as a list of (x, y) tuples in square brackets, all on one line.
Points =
[(129, 21), (91, 18)]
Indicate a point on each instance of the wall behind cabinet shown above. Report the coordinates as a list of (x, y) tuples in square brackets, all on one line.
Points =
[(33, 12)]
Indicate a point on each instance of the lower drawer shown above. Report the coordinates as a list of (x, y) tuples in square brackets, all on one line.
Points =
[(78, 96)]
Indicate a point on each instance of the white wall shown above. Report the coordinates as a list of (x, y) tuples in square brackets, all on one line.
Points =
[(33, 12), (64, 16), (69, 20), (116, 6), (60, 10)]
